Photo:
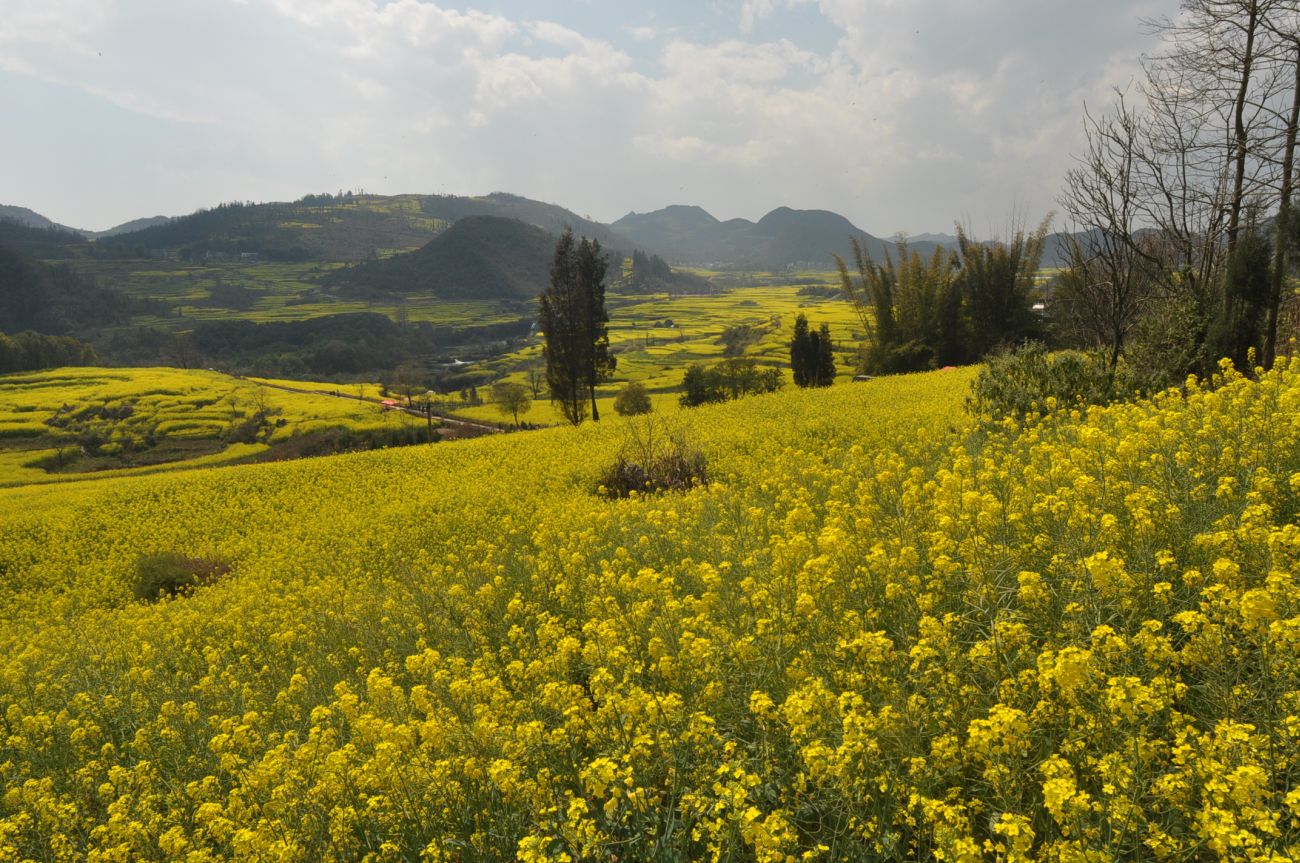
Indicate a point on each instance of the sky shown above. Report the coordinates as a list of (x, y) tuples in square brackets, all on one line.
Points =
[(903, 115)]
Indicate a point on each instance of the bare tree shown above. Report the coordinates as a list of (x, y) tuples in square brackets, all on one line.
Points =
[(1228, 66), (1108, 280), (1213, 52), (1167, 187), (1285, 28), (536, 380)]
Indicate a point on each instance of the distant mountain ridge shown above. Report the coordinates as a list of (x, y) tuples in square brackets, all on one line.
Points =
[(33, 219), (784, 238), (356, 227)]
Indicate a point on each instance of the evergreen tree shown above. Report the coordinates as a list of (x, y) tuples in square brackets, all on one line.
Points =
[(560, 322), (598, 363), (825, 357), (576, 327), (997, 282), (800, 348), (1247, 284), (812, 357)]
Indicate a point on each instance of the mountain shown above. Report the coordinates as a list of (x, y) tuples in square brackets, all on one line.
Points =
[(45, 242), (478, 257), (551, 218), (680, 233), (131, 226), (783, 238), (948, 240), (31, 218), (345, 227)]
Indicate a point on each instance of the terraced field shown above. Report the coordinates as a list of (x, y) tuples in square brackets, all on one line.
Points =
[(68, 424)]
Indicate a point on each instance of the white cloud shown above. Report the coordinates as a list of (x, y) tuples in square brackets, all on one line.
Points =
[(924, 111)]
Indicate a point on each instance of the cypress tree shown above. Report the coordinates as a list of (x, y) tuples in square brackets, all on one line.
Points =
[(598, 364), (559, 319), (825, 357), (576, 327), (800, 344)]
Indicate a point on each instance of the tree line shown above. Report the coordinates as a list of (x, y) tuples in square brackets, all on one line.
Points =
[(1183, 233), (1182, 196), (953, 307), (29, 351)]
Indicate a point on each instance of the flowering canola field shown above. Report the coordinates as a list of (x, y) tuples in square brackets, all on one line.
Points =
[(875, 635), (187, 412)]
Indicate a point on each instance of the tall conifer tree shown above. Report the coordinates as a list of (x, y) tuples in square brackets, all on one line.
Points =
[(576, 327)]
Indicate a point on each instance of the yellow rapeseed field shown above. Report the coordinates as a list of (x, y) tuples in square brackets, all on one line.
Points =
[(875, 635), (191, 411)]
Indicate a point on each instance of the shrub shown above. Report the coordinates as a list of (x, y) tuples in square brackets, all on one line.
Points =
[(1032, 381), (653, 458), (169, 573), (729, 379), (633, 399)]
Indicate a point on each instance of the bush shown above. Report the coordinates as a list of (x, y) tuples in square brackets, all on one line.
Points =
[(653, 458), (633, 399), (168, 573), (1031, 381), (729, 379)]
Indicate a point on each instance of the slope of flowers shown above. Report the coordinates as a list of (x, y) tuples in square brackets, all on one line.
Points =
[(873, 636), (188, 413)]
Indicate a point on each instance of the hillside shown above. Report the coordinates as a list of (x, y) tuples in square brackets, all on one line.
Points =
[(101, 424), (551, 218), (478, 257), (784, 238), (132, 226), (874, 636), (54, 298), (31, 219), (314, 228), (48, 241), (345, 227)]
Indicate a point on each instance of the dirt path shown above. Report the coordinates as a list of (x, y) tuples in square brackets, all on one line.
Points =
[(415, 412)]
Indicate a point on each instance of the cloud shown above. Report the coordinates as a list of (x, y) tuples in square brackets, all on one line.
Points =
[(920, 113)]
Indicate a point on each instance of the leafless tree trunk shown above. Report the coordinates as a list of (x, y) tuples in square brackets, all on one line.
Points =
[(1106, 284), (1289, 34)]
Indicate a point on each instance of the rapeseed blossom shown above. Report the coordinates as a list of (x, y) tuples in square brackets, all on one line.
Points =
[(876, 634)]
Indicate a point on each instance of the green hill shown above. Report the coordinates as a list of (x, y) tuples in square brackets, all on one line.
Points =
[(314, 228), (783, 238), (54, 299), (479, 257), (346, 227), (40, 241)]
